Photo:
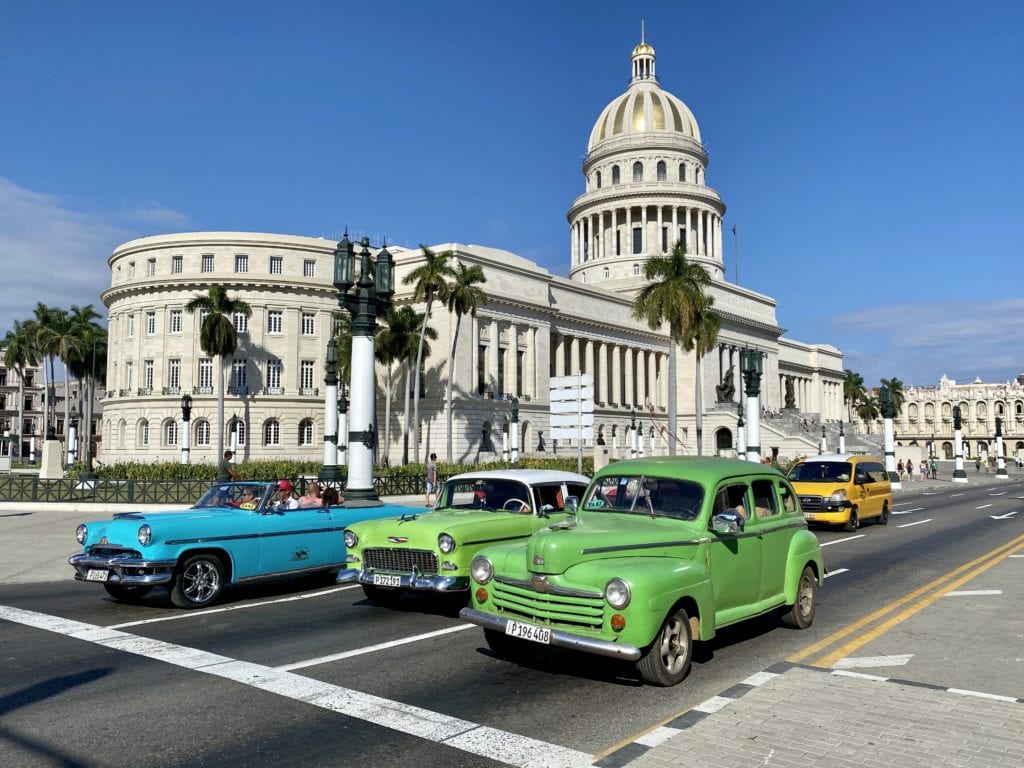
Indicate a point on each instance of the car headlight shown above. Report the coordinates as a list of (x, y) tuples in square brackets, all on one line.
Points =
[(481, 569), (838, 497), (445, 543), (145, 535), (616, 592), (351, 539), (81, 533)]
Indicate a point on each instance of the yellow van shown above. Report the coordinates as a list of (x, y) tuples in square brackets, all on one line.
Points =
[(842, 489)]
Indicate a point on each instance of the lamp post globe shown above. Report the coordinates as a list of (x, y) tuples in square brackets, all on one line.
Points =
[(186, 430), (751, 366)]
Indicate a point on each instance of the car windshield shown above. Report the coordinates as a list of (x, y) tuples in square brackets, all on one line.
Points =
[(237, 495), (645, 495), (484, 493), (820, 472)]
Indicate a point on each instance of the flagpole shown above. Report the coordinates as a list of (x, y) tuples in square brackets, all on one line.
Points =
[(736, 252)]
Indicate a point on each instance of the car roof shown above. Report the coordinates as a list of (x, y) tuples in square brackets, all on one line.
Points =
[(529, 476), (700, 468), (840, 457)]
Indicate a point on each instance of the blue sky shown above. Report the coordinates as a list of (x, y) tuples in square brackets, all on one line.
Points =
[(869, 153)]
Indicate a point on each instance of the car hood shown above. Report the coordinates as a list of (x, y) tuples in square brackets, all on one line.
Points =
[(122, 530), (600, 536), (467, 526)]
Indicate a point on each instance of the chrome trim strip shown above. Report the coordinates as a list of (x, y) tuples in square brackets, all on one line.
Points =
[(552, 589)]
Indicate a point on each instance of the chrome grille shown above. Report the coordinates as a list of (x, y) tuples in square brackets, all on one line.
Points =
[(114, 552), (546, 608), (400, 560), (810, 503)]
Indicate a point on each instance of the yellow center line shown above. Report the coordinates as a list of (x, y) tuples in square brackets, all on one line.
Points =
[(991, 558)]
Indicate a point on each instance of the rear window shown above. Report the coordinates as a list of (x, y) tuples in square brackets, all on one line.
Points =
[(821, 472)]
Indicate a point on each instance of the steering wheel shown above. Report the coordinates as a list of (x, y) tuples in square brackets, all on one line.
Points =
[(516, 505)]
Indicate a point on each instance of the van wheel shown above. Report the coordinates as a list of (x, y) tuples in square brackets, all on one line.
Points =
[(667, 660), (883, 519), (800, 614), (853, 522)]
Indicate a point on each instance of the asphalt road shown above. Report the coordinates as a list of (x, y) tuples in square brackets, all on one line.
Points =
[(307, 673)]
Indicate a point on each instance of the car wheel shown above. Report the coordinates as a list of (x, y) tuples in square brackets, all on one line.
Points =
[(667, 660), (198, 582), (800, 614), (508, 647), (125, 594), (853, 522), (883, 519), (382, 595)]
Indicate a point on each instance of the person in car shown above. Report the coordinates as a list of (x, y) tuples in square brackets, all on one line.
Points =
[(284, 499)]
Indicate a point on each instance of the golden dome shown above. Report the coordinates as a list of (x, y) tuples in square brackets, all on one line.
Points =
[(643, 49)]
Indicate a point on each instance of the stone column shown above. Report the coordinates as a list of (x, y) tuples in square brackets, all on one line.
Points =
[(630, 383), (492, 362), (601, 381), (617, 375), (652, 378), (512, 369), (641, 382)]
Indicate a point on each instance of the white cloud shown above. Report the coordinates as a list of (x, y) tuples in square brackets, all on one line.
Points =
[(57, 255)]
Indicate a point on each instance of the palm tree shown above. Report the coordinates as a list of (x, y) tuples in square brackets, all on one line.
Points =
[(853, 390), (218, 338), (674, 292), (19, 354), (700, 338), (82, 362), (415, 341), (897, 394), (868, 410), (464, 296), (41, 328), (395, 343), (430, 279)]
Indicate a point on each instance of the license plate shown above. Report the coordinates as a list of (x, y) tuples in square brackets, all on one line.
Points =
[(95, 574), (384, 580), (528, 632)]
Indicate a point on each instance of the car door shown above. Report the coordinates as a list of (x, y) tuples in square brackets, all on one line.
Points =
[(296, 539), (734, 560), (775, 509)]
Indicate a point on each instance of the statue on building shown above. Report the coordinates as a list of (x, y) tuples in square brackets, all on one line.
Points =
[(540, 441), (726, 389), (790, 397)]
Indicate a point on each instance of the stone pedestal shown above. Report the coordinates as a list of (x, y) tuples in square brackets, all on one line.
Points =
[(600, 457), (52, 466)]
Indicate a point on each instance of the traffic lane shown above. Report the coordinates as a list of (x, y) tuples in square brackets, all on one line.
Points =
[(70, 702)]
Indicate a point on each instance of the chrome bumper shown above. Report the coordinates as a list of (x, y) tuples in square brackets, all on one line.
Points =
[(126, 570), (413, 581), (559, 637)]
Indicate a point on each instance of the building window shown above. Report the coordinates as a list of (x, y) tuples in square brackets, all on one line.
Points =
[(502, 352), (129, 371), (275, 321), (241, 263), (308, 324), (618, 243), (237, 428), (662, 171), (147, 374), (143, 434), (306, 432), (306, 368), (238, 379), (205, 382), (203, 433), (664, 239), (638, 171), (241, 322), (151, 323), (131, 269), (638, 240), (481, 369), (207, 263), (174, 374), (615, 174), (150, 267), (636, 270), (274, 369), (176, 265), (175, 321), (171, 433), (272, 432), (131, 326), (682, 172), (597, 179), (309, 268), (276, 265), (607, 273)]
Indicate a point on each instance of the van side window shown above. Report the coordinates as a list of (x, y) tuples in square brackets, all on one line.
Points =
[(788, 498), (873, 471), (765, 504)]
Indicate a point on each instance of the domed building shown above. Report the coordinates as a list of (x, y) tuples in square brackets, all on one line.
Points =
[(644, 191)]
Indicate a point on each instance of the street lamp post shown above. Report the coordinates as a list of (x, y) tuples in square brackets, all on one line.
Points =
[(1000, 462), (73, 435), (751, 363), (371, 298), (632, 434), (741, 437), (515, 431), (824, 441), (330, 471), (186, 428), (342, 424), (842, 438), (959, 476), (888, 413)]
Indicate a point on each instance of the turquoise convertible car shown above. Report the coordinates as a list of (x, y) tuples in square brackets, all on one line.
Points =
[(237, 532)]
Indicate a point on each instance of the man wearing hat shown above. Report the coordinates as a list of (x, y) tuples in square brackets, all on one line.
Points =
[(284, 498)]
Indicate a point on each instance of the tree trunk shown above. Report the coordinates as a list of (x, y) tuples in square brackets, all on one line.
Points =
[(699, 410), (448, 388), (220, 407), (387, 419), (21, 408), (673, 410), (416, 383), (405, 417)]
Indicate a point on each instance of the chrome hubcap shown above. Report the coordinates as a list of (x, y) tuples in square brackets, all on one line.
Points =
[(200, 582)]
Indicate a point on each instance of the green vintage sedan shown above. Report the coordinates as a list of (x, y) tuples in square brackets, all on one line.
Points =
[(431, 551), (662, 552)]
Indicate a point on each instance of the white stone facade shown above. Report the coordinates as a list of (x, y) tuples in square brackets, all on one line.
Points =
[(534, 325)]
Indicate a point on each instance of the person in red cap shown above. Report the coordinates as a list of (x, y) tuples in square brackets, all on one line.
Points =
[(284, 498)]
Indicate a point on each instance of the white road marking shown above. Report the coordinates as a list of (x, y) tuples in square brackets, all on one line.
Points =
[(929, 493), (998, 493), (658, 736), (995, 696), (492, 743), (836, 572), (372, 648), (919, 522), (861, 675), (984, 506), (1006, 516), (973, 592), (954, 495), (907, 511), (1016, 555), (208, 611), (840, 541), (866, 662), (901, 503)]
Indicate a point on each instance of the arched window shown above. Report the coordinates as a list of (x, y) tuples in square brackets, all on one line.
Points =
[(615, 174), (607, 273), (272, 432), (682, 171), (1000, 410), (636, 270), (171, 432), (203, 433), (638, 171), (912, 411), (584, 276), (143, 437), (1018, 408), (662, 171), (306, 432), (237, 426), (597, 179), (723, 441)]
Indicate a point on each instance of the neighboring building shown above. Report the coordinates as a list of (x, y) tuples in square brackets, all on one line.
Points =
[(22, 419), (927, 417), (645, 190)]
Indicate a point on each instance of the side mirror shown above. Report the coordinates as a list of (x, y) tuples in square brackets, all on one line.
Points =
[(727, 522), (572, 504)]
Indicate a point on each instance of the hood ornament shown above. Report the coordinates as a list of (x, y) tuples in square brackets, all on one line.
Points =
[(538, 559), (540, 583), (398, 539)]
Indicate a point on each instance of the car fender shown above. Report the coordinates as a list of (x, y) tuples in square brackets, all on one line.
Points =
[(803, 550)]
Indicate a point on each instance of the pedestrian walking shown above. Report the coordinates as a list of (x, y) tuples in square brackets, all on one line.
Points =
[(935, 469), (225, 470), (900, 470), (924, 469), (431, 479), (977, 466)]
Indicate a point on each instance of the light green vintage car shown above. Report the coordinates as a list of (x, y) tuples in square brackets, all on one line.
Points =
[(431, 551), (662, 552)]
